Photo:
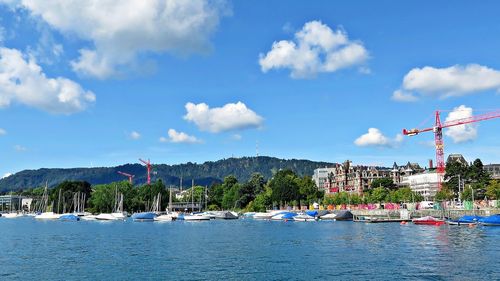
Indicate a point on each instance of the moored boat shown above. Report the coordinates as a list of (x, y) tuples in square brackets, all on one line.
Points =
[(196, 217), (224, 215), (13, 215), (47, 216), (166, 217), (304, 217), (284, 216), (262, 216), (89, 217), (465, 220), (106, 217), (428, 220), (493, 220), (69, 217), (329, 216), (144, 216)]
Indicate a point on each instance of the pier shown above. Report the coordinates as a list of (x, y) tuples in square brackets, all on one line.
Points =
[(398, 214)]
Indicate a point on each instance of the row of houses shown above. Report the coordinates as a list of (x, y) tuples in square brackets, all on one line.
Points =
[(347, 177)]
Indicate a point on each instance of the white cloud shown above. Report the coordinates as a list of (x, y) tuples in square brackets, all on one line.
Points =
[(374, 137), (3, 132), (232, 116), (120, 31), (135, 135), (22, 81), (402, 96), (452, 81), (179, 137), (317, 48), (461, 133), (236, 137), (19, 148), (6, 175)]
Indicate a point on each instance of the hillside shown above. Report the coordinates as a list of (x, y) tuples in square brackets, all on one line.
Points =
[(203, 174)]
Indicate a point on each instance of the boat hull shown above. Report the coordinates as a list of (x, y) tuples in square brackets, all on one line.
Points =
[(47, 216), (196, 218), (428, 221), (69, 217), (168, 217), (144, 216), (12, 215)]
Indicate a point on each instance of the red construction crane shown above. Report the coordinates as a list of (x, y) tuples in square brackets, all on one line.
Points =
[(127, 175), (148, 166), (438, 135)]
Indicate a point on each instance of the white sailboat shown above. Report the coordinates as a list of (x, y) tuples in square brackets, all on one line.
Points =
[(117, 213), (14, 214), (169, 216), (44, 205), (195, 216)]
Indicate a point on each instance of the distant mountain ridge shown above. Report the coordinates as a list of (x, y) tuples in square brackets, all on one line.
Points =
[(203, 174)]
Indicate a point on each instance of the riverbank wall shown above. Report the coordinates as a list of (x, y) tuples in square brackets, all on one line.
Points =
[(396, 214)]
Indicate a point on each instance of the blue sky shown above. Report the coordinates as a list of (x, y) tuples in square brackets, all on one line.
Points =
[(100, 84)]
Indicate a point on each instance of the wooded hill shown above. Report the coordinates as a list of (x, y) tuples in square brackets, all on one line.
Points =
[(203, 174)]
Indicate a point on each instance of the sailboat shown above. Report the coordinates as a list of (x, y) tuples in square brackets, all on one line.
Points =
[(117, 213), (43, 206), (195, 216), (14, 214), (168, 216), (151, 215)]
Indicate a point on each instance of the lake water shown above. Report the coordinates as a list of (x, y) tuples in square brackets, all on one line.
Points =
[(245, 250)]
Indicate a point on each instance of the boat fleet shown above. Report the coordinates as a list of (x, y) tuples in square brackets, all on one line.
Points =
[(154, 214), (302, 216), (471, 221)]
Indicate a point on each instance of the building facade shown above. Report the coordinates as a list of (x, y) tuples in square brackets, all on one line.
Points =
[(493, 170), (425, 184), (10, 202), (347, 177)]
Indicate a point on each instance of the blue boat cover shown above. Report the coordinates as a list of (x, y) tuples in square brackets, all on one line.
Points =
[(494, 219), (288, 215), (69, 218), (468, 219), (312, 213), (144, 216)]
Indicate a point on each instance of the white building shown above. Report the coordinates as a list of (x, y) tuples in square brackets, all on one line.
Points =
[(426, 183), (321, 176)]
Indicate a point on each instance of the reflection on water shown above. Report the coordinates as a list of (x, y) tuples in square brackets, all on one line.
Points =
[(245, 250)]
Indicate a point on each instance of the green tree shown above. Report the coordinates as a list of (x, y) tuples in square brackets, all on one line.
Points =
[(493, 190), (102, 199), (308, 191), (405, 195), (478, 178), (453, 171), (378, 195), (383, 182), (215, 195), (444, 194), (231, 197), (284, 187), (231, 193), (258, 182), (262, 201), (67, 190)]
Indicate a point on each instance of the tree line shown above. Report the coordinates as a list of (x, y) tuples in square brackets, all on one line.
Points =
[(474, 181), (283, 189)]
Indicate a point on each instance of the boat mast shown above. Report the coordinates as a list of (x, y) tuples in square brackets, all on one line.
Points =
[(59, 202), (170, 200)]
